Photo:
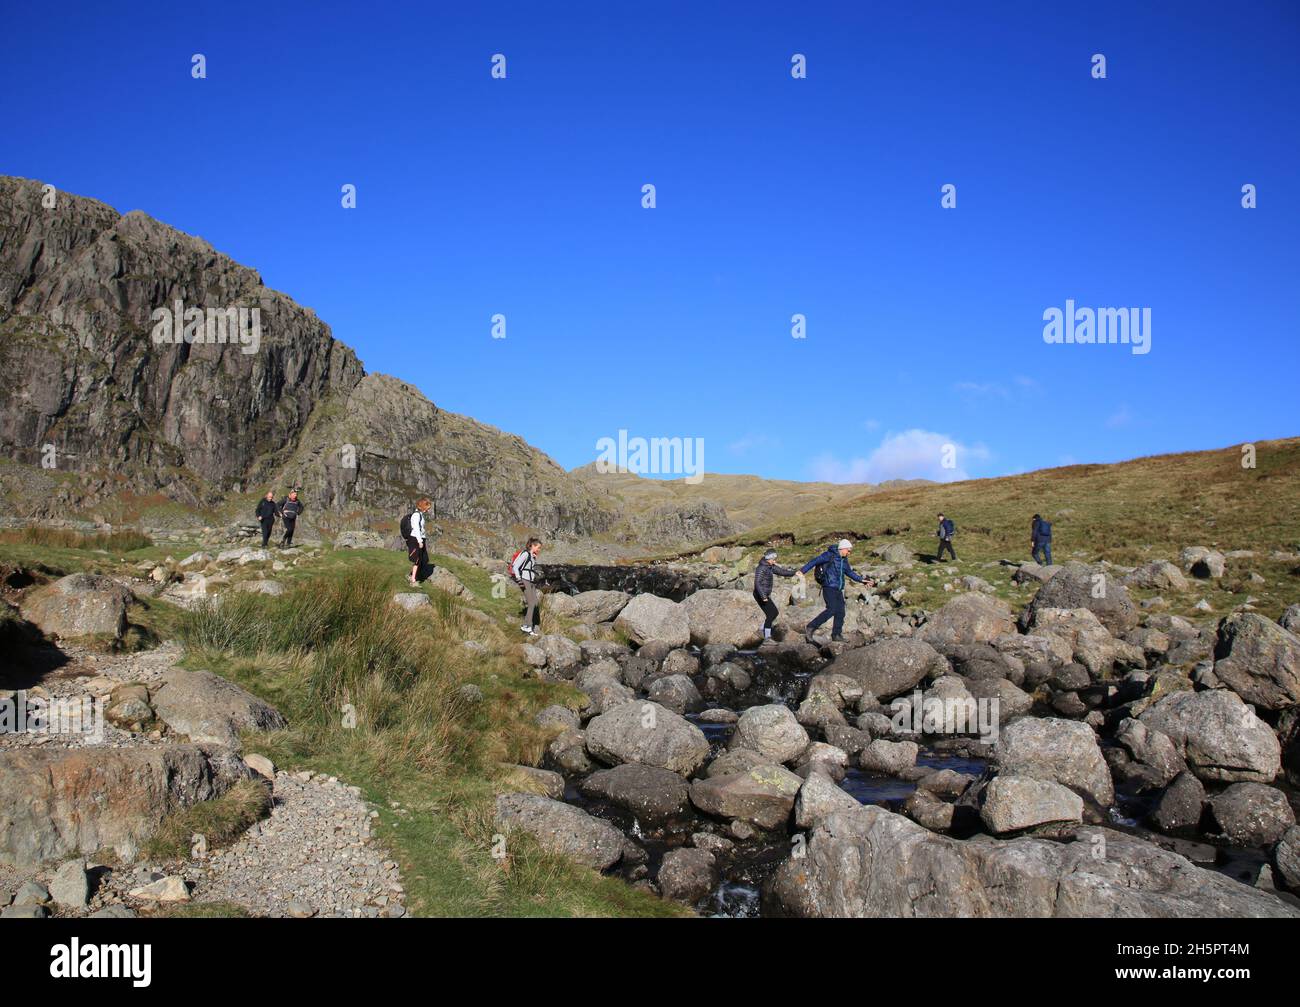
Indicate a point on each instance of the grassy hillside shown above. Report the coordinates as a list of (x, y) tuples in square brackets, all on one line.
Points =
[(1127, 513)]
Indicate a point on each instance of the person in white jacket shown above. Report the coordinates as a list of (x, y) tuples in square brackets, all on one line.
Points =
[(524, 571), (415, 549)]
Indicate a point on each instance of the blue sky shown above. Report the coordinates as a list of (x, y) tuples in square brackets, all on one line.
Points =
[(775, 196)]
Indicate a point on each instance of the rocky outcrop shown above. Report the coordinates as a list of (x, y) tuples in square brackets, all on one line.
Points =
[(1076, 585), (210, 709), (870, 862), (1258, 660), (1219, 736), (81, 604)]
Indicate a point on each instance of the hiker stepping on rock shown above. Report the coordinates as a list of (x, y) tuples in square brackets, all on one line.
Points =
[(830, 568), (523, 571), (763, 588)]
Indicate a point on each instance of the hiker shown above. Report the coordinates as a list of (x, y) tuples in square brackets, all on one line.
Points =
[(523, 570), (945, 532), (1040, 539), (763, 588), (266, 512), (412, 529), (289, 511), (832, 567)]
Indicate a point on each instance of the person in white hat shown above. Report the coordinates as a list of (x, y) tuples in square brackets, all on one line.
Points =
[(832, 567)]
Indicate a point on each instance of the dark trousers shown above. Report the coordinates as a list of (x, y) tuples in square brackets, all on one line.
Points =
[(834, 598), (266, 532), (946, 543), (769, 609), (289, 523), (532, 604), (1046, 549)]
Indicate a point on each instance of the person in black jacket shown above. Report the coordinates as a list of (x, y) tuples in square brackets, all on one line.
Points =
[(289, 511), (1040, 540), (945, 533), (266, 513), (763, 588)]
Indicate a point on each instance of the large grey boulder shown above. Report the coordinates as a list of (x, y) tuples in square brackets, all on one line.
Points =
[(969, 618), (649, 735), (762, 796), (889, 668), (869, 862), (1218, 735), (772, 731), (654, 796), (687, 875), (1158, 575), (562, 654), (81, 604), (1077, 585), (210, 709), (1063, 751), (70, 886), (818, 797), (1084, 639), (727, 617), (649, 617), (1015, 803), (1251, 814), (1258, 660), (589, 607), (561, 828), (57, 803)]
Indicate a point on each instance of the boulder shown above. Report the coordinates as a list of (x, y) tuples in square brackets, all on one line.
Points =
[(1290, 619), (444, 580), (889, 668), (210, 709), (676, 692), (648, 617), (561, 828), (70, 886), (359, 540), (968, 618), (649, 735), (687, 875), (1286, 858), (412, 601), (1218, 735), (1076, 585), (772, 731), (818, 797), (1203, 563), (1258, 660), (762, 796), (81, 604), (562, 654), (1181, 805), (1015, 803), (588, 606), (1085, 639), (1063, 751), (57, 803), (729, 617), (888, 758), (1251, 814), (653, 796), (1158, 575), (869, 862)]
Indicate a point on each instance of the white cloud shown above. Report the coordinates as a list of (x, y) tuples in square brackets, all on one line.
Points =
[(913, 454)]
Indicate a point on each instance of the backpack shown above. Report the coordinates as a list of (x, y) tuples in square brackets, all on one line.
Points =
[(510, 565), (1045, 531), (949, 527), (405, 526), (819, 573)]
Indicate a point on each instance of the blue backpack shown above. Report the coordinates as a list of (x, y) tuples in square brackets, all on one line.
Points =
[(1045, 531)]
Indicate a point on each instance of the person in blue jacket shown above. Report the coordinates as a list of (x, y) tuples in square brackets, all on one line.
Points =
[(1040, 539), (835, 567)]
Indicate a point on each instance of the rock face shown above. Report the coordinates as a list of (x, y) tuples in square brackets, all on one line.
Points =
[(211, 709), (81, 604), (1218, 735), (649, 735), (1063, 751), (1258, 660), (729, 617), (562, 828), (649, 617), (870, 862), (57, 803), (890, 667), (1076, 585)]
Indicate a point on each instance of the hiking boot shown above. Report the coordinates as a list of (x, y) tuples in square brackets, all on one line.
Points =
[(837, 639), (808, 635), (527, 629)]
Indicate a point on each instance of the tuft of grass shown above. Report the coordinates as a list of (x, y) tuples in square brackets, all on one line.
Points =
[(220, 820), (66, 538)]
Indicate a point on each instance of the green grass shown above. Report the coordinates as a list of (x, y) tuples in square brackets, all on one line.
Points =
[(334, 643), (220, 821)]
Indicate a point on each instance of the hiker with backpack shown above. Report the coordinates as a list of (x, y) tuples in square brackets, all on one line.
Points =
[(289, 511), (763, 588), (412, 530), (523, 571), (830, 568), (266, 513), (945, 533), (1040, 540)]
